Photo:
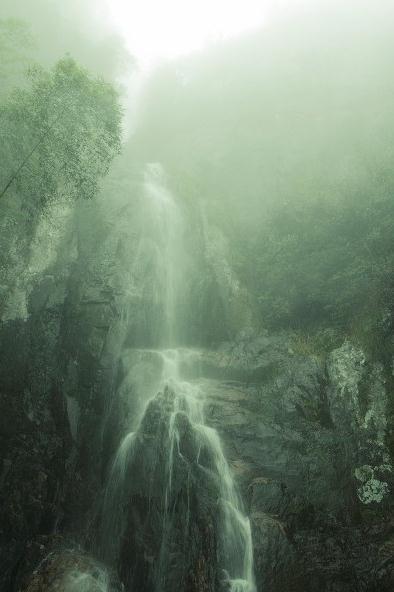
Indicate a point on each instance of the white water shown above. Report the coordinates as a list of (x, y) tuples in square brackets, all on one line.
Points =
[(80, 581), (236, 538), (159, 262), (164, 239), (112, 515)]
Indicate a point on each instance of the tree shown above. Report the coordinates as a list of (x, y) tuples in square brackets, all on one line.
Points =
[(60, 134)]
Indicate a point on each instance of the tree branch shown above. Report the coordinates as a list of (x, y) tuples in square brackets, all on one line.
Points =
[(27, 158)]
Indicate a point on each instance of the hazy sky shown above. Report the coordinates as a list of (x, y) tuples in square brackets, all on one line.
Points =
[(155, 29), (100, 33)]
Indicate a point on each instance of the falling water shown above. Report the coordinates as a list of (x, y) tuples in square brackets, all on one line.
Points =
[(185, 401), (81, 581), (159, 262), (112, 515), (235, 538)]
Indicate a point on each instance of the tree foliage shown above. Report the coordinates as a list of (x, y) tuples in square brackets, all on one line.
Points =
[(324, 264), (60, 134)]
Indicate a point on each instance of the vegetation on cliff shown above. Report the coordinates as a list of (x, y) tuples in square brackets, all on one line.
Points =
[(60, 128)]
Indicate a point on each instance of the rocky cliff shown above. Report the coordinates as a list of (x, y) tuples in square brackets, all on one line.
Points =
[(308, 437)]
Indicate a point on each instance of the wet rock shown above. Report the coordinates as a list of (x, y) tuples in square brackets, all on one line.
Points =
[(346, 368), (268, 496), (169, 533), (358, 406), (307, 447), (274, 555), (53, 565)]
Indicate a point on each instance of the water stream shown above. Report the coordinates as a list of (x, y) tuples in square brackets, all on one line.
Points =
[(187, 452)]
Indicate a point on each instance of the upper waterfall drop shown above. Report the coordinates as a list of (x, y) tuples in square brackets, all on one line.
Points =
[(164, 229)]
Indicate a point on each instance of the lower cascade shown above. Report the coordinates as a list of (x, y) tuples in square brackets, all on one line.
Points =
[(172, 517)]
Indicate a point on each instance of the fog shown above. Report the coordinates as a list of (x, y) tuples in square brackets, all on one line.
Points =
[(79, 28), (280, 137), (196, 295)]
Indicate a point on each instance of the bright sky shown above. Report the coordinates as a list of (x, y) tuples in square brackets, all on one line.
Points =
[(162, 29)]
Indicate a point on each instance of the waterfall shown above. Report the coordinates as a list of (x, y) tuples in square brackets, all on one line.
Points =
[(172, 464), (159, 262)]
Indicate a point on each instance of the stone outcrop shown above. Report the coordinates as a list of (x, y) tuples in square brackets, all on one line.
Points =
[(51, 564)]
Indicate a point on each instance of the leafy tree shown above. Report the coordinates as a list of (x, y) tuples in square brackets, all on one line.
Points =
[(59, 135)]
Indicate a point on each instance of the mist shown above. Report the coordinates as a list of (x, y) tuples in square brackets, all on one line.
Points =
[(78, 28), (196, 296)]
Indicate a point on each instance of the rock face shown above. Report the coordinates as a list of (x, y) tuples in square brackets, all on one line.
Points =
[(307, 444), (307, 439), (58, 362)]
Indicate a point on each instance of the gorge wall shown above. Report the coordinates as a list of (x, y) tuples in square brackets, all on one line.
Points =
[(306, 436)]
